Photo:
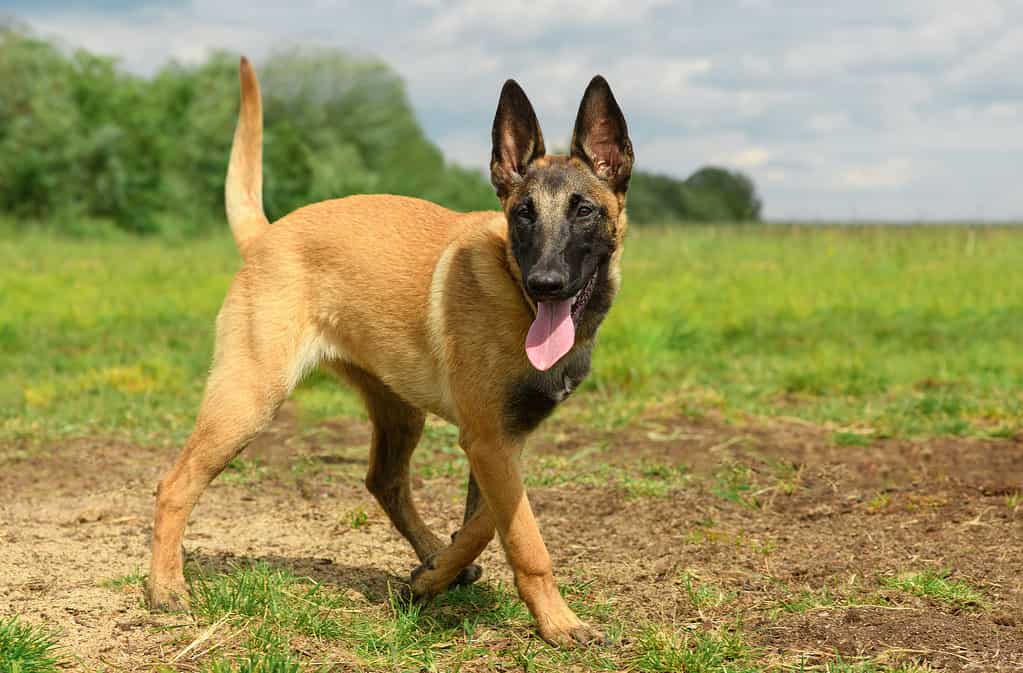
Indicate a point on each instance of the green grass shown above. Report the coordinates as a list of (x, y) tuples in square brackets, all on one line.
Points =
[(937, 586), (734, 483), (25, 648), (242, 470), (278, 598), (255, 663), (843, 438), (881, 331), (357, 518), (703, 595), (904, 331), (583, 467), (133, 579), (804, 601), (261, 618), (268, 619), (640, 480), (671, 650)]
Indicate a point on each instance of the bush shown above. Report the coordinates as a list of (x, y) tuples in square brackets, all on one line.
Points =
[(80, 139), (711, 194), (83, 142)]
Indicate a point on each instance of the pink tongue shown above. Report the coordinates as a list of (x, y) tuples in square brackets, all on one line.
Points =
[(551, 335)]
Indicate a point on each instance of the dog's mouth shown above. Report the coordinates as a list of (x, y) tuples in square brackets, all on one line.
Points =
[(582, 298), (552, 334)]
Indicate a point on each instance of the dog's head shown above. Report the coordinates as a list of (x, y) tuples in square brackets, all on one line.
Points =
[(566, 214)]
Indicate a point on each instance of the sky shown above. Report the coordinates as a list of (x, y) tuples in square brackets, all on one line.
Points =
[(897, 110)]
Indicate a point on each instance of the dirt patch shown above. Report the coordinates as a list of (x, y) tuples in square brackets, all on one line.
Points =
[(775, 530), (947, 641)]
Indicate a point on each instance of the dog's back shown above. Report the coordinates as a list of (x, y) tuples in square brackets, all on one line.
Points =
[(366, 273)]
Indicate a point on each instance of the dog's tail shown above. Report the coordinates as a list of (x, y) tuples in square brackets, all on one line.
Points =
[(243, 193)]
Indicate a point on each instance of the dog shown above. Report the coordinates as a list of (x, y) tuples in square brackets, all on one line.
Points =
[(486, 319)]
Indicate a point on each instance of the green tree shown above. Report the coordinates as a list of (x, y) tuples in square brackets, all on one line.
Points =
[(715, 193), (81, 139), (710, 194)]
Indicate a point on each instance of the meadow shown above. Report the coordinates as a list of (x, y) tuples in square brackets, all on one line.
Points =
[(799, 450), (877, 331)]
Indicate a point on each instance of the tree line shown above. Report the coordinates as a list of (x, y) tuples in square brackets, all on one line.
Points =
[(84, 142)]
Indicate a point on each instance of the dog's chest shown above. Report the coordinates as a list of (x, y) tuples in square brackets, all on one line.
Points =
[(533, 398)]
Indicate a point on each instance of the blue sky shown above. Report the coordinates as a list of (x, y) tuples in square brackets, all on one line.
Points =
[(839, 110)]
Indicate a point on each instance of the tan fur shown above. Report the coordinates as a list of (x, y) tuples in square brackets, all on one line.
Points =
[(243, 190), (422, 310)]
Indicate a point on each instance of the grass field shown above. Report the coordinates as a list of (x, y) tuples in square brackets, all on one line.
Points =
[(800, 450), (878, 331)]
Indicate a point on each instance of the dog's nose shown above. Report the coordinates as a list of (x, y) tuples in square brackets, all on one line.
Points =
[(545, 283)]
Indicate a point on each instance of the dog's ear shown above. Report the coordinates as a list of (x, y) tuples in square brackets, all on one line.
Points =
[(601, 138), (517, 141)]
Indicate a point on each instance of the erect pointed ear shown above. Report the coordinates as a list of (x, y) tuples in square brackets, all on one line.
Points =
[(601, 138), (517, 141)]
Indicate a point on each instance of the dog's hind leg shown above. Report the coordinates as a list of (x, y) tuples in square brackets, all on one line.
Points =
[(232, 414), (473, 504), (252, 373), (397, 427)]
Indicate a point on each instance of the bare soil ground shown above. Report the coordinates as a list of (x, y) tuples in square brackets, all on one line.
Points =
[(787, 533)]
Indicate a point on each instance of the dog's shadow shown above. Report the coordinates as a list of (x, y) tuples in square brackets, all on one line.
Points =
[(484, 602), (375, 584)]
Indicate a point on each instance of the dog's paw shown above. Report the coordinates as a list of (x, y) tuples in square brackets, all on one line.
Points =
[(421, 585), (401, 594), (426, 582), (470, 575), (169, 597), (569, 636)]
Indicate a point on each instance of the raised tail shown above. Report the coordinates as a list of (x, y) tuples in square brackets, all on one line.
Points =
[(243, 193)]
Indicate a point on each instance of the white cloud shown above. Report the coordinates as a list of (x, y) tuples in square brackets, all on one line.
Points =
[(889, 173), (751, 158), (828, 122), (876, 109), (467, 148)]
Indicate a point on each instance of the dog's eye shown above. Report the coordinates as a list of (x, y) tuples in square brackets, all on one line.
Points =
[(584, 211), (524, 212)]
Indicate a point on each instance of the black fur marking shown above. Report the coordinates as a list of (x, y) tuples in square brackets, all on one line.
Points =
[(527, 407), (469, 575), (532, 399), (597, 307), (552, 236)]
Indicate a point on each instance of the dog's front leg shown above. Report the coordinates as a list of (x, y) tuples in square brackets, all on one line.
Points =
[(496, 466)]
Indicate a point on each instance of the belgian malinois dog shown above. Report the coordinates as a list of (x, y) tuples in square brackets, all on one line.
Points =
[(485, 319)]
